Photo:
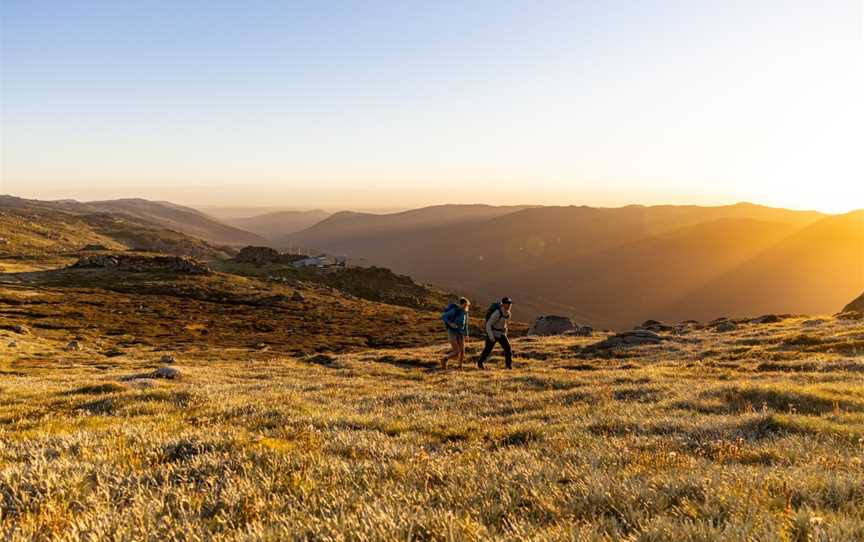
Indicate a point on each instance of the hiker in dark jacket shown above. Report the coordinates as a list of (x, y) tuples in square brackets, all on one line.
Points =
[(455, 318), (496, 331)]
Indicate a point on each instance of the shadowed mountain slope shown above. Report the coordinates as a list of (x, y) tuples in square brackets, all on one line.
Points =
[(609, 267), (276, 225)]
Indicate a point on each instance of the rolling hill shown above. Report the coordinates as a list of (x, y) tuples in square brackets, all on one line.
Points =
[(617, 267), (30, 228), (274, 226), (176, 217)]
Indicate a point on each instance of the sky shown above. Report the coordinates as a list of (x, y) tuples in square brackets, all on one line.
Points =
[(366, 104)]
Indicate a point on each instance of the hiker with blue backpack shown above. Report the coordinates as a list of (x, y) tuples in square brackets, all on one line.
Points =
[(455, 318), (496, 331)]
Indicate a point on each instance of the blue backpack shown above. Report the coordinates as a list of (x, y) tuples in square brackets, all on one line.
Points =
[(448, 314)]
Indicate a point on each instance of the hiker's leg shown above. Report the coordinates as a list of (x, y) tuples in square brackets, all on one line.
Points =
[(487, 349), (454, 349), (508, 351), (461, 356)]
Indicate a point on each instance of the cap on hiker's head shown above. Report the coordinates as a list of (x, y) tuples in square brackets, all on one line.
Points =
[(506, 301)]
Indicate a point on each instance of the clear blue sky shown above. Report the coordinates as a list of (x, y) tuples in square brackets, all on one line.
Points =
[(403, 103)]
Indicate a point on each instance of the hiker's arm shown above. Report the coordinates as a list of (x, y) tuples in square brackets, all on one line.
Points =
[(489, 323)]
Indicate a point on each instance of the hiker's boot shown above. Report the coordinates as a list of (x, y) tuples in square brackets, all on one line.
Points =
[(480, 364)]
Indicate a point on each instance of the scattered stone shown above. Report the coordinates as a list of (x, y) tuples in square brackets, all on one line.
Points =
[(167, 359), (169, 373), (297, 297), (13, 344), (551, 325), (20, 329), (112, 353), (73, 346)]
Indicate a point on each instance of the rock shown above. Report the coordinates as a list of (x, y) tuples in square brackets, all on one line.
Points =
[(581, 331), (297, 297), (656, 326), (813, 323), (551, 325), (636, 337), (724, 326), (73, 346), (142, 263), (850, 315), (766, 319), (272, 300), (169, 373), (93, 248), (857, 305), (13, 344), (20, 329), (257, 255), (167, 359), (112, 353)]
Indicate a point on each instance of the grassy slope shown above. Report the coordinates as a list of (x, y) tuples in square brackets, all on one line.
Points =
[(753, 435)]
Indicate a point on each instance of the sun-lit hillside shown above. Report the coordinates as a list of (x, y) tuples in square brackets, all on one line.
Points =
[(753, 434)]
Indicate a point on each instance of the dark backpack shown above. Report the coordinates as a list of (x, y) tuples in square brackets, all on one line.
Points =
[(496, 306)]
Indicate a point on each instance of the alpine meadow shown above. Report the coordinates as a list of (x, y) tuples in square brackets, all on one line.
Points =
[(457, 271)]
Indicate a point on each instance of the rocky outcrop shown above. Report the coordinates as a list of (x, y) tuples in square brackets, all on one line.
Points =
[(551, 325), (656, 326), (142, 263), (258, 255), (169, 373), (855, 306)]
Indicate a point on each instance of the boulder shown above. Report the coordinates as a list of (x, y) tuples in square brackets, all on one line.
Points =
[(20, 329), (257, 255), (767, 319), (551, 325), (813, 323), (636, 337), (167, 359), (724, 326), (297, 297), (855, 306), (73, 346), (169, 373), (655, 326), (112, 353)]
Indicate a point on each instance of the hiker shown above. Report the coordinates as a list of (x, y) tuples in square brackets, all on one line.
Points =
[(496, 331), (455, 318)]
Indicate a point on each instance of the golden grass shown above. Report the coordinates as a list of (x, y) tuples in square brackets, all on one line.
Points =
[(694, 439)]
